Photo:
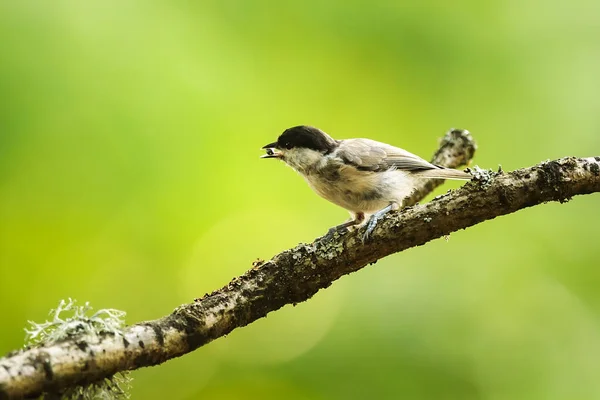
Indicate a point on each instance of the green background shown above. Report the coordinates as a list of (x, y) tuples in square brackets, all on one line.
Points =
[(129, 177)]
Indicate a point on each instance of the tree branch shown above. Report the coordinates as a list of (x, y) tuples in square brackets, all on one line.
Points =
[(295, 275)]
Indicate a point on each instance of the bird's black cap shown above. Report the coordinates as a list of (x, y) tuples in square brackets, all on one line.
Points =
[(303, 136)]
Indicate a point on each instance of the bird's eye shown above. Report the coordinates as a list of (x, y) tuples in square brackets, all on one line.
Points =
[(287, 145)]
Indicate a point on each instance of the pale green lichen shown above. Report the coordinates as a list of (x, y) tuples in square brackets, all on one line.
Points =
[(483, 176), (331, 248), (115, 387), (69, 320)]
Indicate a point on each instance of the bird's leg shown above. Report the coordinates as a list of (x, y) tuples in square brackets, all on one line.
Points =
[(376, 217), (358, 218)]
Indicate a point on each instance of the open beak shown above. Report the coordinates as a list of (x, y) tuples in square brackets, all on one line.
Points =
[(271, 151)]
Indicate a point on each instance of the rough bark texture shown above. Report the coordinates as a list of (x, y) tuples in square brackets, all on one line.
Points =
[(296, 275)]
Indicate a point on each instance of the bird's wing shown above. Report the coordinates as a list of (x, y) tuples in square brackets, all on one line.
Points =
[(369, 155)]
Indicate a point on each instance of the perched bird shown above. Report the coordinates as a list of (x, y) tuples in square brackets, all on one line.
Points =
[(367, 178)]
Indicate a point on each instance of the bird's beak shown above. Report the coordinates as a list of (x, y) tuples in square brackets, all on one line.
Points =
[(271, 153), (270, 145)]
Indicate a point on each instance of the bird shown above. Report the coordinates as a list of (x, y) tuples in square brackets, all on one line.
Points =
[(366, 177)]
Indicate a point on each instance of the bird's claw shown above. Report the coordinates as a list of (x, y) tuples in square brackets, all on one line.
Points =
[(376, 217), (370, 227)]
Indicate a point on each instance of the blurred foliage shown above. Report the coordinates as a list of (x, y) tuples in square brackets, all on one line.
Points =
[(130, 178)]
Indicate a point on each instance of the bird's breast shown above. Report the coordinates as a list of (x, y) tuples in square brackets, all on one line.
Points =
[(358, 191)]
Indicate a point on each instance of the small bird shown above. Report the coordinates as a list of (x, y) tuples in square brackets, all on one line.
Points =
[(366, 177)]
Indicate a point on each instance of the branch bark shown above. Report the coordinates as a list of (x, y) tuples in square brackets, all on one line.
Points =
[(295, 275)]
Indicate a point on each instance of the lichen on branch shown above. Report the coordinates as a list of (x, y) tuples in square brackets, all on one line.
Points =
[(73, 322)]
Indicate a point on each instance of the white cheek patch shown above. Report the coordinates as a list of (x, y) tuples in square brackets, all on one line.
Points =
[(302, 159)]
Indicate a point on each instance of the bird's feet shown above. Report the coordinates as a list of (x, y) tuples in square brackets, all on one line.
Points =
[(345, 227), (372, 223), (370, 227)]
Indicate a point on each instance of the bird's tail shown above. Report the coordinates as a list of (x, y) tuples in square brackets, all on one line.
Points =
[(443, 173)]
